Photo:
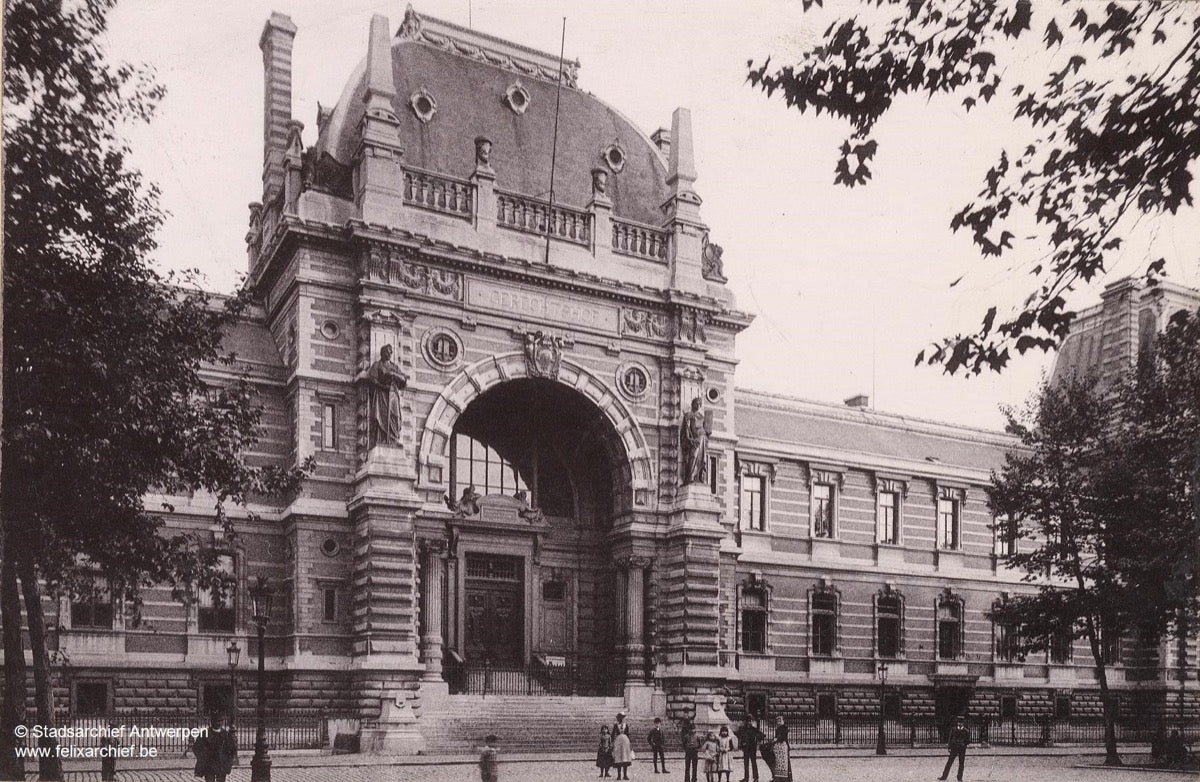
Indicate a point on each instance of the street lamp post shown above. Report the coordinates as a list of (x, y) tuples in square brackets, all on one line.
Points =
[(881, 737), (260, 764), (235, 654)]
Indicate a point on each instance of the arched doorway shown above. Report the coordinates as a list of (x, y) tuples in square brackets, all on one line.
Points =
[(531, 584)]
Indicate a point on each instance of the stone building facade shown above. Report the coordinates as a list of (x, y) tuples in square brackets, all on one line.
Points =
[(529, 512)]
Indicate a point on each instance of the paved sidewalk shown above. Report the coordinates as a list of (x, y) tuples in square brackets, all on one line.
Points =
[(1060, 764)]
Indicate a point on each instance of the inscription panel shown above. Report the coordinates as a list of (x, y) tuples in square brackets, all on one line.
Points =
[(541, 307)]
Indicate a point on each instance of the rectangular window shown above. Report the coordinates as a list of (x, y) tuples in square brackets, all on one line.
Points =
[(888, 626), (887, 517), (1004, 531), (1060, 648), (714, 469), (752, 508), (826, 706), (329, 427), (824, 624), (216, 698), (949, 631), (216, 614), (1062, 707), (1110, 646), (948, 524), (1007, 644), (754, 621), (756, 704), (892, 709), (1008, 707), (91, 699), (94, 612), (329, 604), (822, 509)]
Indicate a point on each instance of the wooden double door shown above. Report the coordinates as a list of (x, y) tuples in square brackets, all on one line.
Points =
[(495, 611)]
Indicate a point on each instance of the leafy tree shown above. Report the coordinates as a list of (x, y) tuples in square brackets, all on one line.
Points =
[(1104, 493), (1055, 489), (105, 395), (1114, 124)]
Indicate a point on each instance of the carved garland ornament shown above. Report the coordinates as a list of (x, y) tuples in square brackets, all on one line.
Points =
[(642, 323), (383, 263)]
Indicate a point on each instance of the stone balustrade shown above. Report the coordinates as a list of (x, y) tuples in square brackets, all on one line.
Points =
[(639, 241), (534, 216), (438, 193)]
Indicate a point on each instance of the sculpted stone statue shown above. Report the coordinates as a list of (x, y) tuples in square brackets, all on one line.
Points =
[(386, 381), (467, 505), (693, 445)]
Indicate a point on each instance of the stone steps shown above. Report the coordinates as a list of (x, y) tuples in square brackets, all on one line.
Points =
[(524, 724)]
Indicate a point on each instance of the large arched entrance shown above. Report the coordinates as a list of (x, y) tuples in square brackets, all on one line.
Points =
[(539, 474)]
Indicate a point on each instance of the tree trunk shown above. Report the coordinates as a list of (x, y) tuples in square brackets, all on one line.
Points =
[(49, 768), (1111, 758), (13, 714)]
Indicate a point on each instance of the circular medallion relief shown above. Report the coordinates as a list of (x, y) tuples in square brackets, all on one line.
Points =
[(633, 380), (330, 547), (330, 330), (713, 395), (442, 348)]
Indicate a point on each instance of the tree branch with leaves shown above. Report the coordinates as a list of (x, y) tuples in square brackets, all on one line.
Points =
[(1115, 134)]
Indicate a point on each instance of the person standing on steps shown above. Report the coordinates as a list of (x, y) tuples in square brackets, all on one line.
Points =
[(655, 739), (959, 738)]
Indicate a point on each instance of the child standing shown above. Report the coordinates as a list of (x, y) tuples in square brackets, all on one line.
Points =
[(489, 767), (656, 746), (708, 753), (604, 753), (726, 744)]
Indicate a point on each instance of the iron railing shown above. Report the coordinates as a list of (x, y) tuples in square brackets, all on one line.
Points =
[(585, 676), (291, 729), (862, 731)]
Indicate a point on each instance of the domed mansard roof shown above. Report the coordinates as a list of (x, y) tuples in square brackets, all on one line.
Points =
[(481, 86)]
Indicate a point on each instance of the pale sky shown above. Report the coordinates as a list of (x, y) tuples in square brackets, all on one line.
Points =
[(847, 285)]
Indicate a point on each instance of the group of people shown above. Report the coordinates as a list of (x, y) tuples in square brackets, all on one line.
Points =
[(715, 747)]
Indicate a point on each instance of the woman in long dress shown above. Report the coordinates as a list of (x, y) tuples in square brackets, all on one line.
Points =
[(781, 753), (622, 749)]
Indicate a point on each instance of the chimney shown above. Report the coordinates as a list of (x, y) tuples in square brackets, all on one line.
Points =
[(861, 401), (276, 43), (662, 140)]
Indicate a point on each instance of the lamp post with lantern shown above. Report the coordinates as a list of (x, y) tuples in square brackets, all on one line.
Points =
[(235, 654), (881, 737), (260, 764)]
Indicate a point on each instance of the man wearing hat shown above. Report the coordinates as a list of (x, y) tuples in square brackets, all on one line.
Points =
[(960, 737)]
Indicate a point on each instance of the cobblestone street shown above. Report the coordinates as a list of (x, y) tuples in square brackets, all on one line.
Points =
[(894, 768)]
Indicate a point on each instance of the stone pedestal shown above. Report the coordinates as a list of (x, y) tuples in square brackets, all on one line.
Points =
[(395, 733), (711, 716)]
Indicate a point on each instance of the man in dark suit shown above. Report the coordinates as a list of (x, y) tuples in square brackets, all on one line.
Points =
[(749, 738), (960, 737)]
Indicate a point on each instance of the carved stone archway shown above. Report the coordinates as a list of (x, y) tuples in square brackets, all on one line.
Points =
[(433, 457)]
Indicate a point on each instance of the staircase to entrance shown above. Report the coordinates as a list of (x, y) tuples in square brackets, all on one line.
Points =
[(458, 723)]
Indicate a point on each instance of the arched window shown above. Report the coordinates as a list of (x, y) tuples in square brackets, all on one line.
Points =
[(949, 627), (754, 614), (824, 623), (889, 612)]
